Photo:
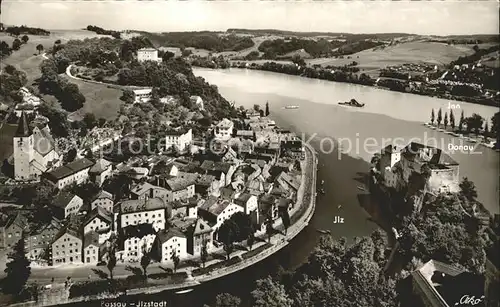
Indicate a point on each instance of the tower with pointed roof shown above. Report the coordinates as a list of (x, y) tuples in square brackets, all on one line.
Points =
[(23, 150), (34, 151)]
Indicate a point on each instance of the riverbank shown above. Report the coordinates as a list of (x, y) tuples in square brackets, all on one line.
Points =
[(339, 75), (474, 140), (300, 217)]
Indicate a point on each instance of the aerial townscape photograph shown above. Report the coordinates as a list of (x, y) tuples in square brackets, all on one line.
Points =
[(249, 153)]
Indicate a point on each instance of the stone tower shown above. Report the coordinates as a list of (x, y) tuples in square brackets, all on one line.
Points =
[(23, 150), (395, 156)]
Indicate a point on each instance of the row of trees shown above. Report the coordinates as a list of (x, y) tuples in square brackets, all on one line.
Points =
[(98, 30), (316, 48), (323, 74), (473, 123), (201, 40), (6, 50), (12, 80), (16, 31)]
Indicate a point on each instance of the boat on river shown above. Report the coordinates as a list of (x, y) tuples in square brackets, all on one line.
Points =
[(361, 188), (291, 107), (184, 291), (352, 103), (325, 232)]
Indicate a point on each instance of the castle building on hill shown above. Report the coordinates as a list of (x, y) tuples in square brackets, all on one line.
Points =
[(34, 151), (400, 163)]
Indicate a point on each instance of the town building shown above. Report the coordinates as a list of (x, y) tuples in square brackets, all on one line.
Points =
[(178, 139), (103, 200), (224, 130), (148, 54), (91, 248), (198, 102), (67, 247), (201, 234), (223, 171), (138, 240), (74, 172), (185, 208), (100, 171), (142, 95), (180, 188), (399, 163), (99, 220), (169, 242), (34, 151), (215, 211), (66, 204), (12, 230), (152, 211), (39, 240), (437, 284)]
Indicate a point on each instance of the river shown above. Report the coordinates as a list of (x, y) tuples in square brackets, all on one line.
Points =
[(386, 115)]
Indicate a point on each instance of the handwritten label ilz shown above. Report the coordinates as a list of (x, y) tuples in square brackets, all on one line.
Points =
[(467, 300)]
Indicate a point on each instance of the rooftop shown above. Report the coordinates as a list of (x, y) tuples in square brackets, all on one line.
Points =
[(140, 205), (166, 234), (91, 238), (63, 199), (69, 169), (138, 231)]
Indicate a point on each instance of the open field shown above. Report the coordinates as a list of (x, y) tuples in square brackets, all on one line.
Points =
[(27, 58), (413, 52), (101, 100)]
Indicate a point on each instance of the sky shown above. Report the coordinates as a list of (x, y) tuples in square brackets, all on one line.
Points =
[(416, 17)]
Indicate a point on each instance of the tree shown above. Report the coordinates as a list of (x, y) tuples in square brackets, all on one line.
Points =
[(25, 39), (227, 235), (432, 117), (486, 130), (495, 124), (285, 217), (439, 118), (204, 251), (445, 120), (176, 260), (475, 122), (269, 229), (267, 108), (227, 300), (4, 49), (256, 107), (269, 293), (16, 44), (250, 241), (127, 96), (111, 262), (18, 270), (71, 98), (70, 155), (90, 120), (461, 122), (468, 189), (452, 120), (145, 261), (167, 56), (39, 48)]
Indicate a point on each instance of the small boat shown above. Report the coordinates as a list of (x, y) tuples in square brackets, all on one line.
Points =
[(352, 103), (339, 206), (325, 232), (291, 107), (322, 182), (361, 188), (184, 291)]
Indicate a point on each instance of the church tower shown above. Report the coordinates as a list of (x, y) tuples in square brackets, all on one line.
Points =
[(23, 150)]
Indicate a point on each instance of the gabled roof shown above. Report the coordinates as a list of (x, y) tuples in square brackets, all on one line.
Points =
[(177, 183), (18, 220), (142, 188), (63, 199), (101, 213), (91, 238), (201, 227), (166, 234), (140, 205), (217, 207), (138, 231), (69, 169), (102, 195), (242, 199), (227, 193), (100, 166), (43, 142), (67, 230)]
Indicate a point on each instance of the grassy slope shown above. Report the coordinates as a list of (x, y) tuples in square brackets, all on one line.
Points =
[(411, 52)]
